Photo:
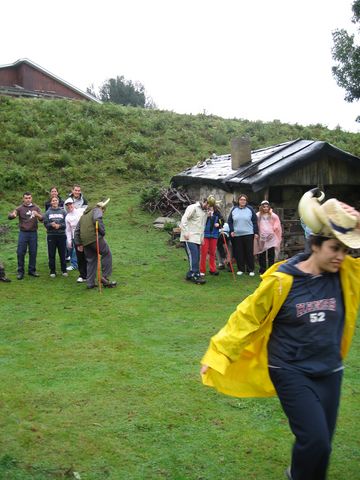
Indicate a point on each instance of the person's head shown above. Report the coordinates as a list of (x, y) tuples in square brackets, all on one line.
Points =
[(54, 202), (204, 204), (54, 192), (76, 191), (69, 205), (327, 253), (27, 199), (242, 200), (264, 207)]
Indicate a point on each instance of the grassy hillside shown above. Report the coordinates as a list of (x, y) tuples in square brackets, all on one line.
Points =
[(58, 142)]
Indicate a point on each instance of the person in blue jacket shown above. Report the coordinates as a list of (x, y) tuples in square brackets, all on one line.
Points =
[(211, 234), (243, 229)]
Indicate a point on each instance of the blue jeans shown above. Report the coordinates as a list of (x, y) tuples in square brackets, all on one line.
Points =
[(193, 253), (25, 240), (73, 256)]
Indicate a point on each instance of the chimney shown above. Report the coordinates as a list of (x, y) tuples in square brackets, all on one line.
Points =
[(240, 152)]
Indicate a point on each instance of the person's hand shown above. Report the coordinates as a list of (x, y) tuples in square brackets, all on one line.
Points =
[(186, 236), (13, 213), (204, 369), (351, 211), (80, 248), (232, 234), (256, 236), (217, 225)]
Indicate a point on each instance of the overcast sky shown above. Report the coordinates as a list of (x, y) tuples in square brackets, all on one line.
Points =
[(250, 59)]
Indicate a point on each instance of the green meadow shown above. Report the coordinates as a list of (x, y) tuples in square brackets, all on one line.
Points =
[(98, 386), (106, 385)]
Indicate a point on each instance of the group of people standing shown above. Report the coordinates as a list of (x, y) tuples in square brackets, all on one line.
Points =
[(204, 233), (74, 230)]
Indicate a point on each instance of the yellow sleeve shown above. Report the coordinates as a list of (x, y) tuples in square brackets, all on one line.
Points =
[(242, 327)]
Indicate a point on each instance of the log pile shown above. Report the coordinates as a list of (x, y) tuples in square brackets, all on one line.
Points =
[(170, 202)]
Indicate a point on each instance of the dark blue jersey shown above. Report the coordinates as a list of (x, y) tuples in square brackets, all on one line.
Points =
[(307, 331)]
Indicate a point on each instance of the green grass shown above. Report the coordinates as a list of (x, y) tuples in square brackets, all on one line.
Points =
[(107, 385)]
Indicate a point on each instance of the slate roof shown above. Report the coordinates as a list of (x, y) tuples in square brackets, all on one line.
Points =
[(266, 166)]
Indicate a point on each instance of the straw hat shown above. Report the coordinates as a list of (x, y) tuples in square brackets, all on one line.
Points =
[(330, 219)]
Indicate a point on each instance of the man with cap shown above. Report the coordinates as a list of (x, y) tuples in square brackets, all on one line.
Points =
[(78, 260), (86, 240), (192, 233)]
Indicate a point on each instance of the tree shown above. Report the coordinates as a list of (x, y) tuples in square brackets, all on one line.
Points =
[(347, 54), (125, 92)]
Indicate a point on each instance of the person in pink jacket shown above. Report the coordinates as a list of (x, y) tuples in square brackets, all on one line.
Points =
[(267, 244)]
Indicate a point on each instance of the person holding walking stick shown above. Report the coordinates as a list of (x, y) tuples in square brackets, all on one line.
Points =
[(291, 335), (90, 237)]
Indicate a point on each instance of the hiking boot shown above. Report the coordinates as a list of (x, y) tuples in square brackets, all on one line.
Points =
[(108, 283)]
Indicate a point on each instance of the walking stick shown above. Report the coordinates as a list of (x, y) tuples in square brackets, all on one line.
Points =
[(228, 256), (98, 255)]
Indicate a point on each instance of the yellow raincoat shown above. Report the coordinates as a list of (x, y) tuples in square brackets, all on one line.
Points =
[(237, 355)]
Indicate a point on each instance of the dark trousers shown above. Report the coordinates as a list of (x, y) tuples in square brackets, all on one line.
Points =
[(311, 405), (81, 262), (193, 253), (25, 240), (91, 259), (243, 250), (264, 262), (56, 242)]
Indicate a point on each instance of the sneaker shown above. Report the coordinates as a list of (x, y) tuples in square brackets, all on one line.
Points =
[(34, 274), (239, 272), (65, 274), (202, 274), (20, 276), (68, 259), (70, 268), (198, 280), (80, 280), (251, 274), (52, 275), (214, 273), (288, 473)]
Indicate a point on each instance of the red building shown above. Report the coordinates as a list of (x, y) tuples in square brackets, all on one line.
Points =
[(25, 78)]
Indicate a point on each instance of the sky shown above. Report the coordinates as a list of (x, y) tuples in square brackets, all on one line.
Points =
[(248, 59)]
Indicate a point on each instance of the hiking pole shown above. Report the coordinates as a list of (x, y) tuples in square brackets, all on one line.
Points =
[(98, 255), (228, 256)]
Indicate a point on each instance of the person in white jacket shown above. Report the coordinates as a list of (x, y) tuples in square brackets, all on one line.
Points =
[(78, 261), (192, 227)]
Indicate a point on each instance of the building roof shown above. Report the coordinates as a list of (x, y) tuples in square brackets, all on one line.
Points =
[(266, 166), (51, 75)]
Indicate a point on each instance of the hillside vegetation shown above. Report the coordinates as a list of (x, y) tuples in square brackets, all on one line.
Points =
[(58, 142)]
